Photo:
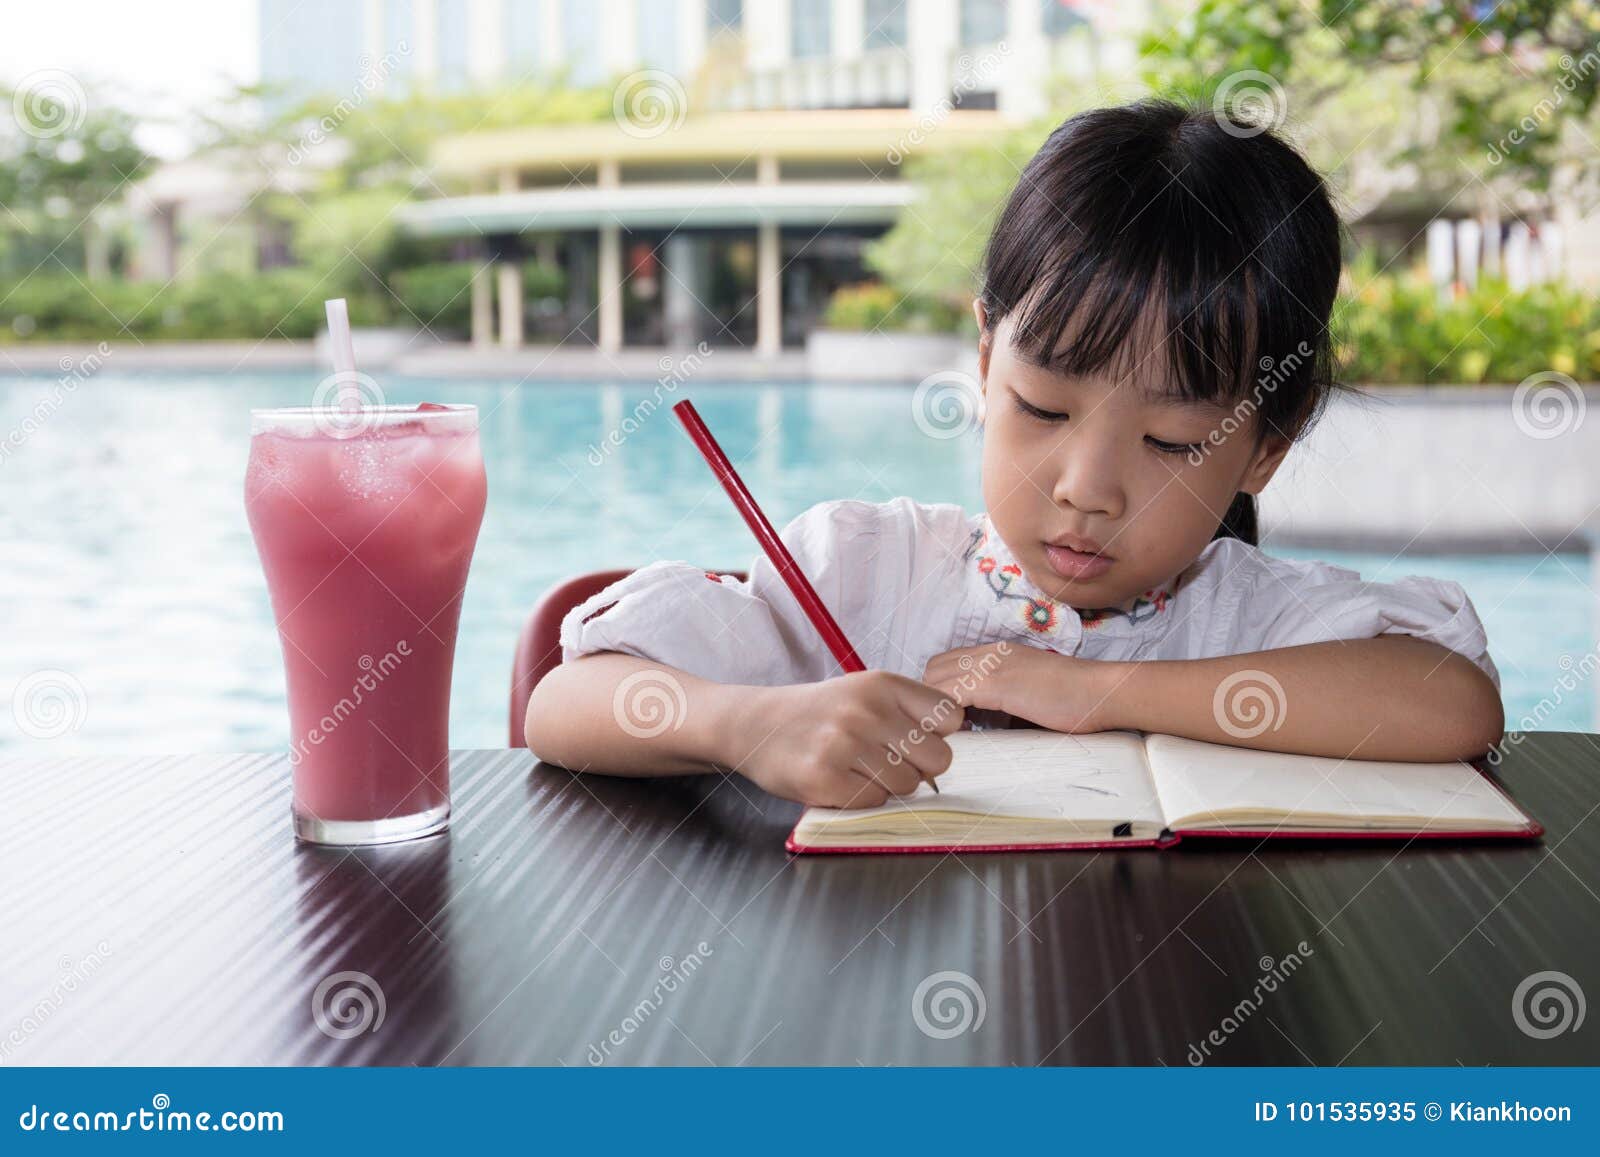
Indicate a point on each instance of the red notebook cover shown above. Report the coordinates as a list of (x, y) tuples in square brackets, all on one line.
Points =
[(1533, 831)]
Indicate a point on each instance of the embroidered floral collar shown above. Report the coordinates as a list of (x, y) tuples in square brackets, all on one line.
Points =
[(1042, 615)]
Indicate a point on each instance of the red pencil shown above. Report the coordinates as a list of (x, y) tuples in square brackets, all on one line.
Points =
[(794, 578)]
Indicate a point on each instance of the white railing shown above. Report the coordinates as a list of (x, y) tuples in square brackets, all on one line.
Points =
[(878, 78)]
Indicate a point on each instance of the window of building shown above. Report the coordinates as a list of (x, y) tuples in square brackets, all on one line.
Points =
[(983, 21), (810, 26), (399, 28), (722, 14), (1061, 17), (580, 28), (454, 66), (524, 51), (886, 23), (656, 22)]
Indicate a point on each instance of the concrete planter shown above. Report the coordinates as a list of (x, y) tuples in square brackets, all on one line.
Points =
[(377, 349), (851, 355), (1454, 467), (1449, 467)]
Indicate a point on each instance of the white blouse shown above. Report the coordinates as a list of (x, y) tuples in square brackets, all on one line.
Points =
[(908, 581)]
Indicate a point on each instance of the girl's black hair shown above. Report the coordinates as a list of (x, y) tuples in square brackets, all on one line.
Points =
[(1175, 244)]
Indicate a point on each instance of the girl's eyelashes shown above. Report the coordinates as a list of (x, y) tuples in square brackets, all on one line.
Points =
[(1055, 417), (1174, 447), (1035, 412)]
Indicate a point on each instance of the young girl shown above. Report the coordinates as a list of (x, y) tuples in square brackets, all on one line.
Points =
[(1153, 336)]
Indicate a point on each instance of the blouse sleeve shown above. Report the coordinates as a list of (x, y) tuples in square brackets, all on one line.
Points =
[(750, 632), (1338, 604)]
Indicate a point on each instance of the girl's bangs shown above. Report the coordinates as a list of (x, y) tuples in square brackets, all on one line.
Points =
[(1144, 326)]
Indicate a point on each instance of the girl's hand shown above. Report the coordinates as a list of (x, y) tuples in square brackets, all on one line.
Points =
[(1061, 692), (849, 742)]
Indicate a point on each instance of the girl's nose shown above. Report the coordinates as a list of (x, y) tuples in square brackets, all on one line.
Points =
[(1087, 474)]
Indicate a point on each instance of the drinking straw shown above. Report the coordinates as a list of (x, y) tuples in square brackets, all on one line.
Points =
[(805, 594), (344, 353)]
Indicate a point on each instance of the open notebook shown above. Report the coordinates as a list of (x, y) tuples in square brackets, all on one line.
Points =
[(1031, 789)]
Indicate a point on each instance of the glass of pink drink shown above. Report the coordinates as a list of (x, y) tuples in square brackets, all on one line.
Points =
[(365, 521)]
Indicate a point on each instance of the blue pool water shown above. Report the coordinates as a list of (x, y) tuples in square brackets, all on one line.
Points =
[(128, 562)]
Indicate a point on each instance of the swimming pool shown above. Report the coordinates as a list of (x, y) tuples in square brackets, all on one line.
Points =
[(129, 565)]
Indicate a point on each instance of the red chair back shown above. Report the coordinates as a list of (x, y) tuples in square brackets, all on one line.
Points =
[(539, 647)]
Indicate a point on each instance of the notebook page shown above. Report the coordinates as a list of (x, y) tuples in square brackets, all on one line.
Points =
[(1198, 781), (1034, 774)]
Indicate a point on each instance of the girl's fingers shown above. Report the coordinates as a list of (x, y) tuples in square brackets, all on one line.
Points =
[(853, 790), (894, 778), (965, 675), (922, 746)]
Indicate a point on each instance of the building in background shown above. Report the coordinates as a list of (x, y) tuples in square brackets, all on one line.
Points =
[(758, 148), (732, 228), (790, 54), (786, 126)]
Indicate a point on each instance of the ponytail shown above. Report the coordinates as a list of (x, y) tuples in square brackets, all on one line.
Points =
[(1240, 521)]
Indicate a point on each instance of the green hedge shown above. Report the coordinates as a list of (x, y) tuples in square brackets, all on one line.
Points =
[(1389, 329), (280, 303), (440, 295), (872, 306), (1395, 329)]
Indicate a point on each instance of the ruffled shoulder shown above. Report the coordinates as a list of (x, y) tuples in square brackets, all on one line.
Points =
[(1258, 602), (874, 565)]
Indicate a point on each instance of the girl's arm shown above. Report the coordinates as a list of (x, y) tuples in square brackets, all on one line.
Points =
[(1394, 697), (845, 742), (621, 715)]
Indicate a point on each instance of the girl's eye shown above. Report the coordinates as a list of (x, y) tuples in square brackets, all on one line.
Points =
[(1174, 447), (1035, 412)]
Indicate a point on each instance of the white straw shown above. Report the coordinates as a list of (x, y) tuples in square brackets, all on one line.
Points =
[(344, 354)]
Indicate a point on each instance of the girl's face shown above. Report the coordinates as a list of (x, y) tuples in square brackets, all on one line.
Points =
[(1105, 489)]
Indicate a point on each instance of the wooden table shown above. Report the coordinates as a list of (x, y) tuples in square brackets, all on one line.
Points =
[(157, 911)]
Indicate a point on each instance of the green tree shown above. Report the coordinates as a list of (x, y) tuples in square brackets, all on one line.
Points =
[(1393, 94), (65, 156)]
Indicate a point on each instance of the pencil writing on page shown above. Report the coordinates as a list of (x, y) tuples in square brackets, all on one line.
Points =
[(789, 570)]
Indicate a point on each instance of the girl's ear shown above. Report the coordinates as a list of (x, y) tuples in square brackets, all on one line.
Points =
[(985, 338), (1264, 464)]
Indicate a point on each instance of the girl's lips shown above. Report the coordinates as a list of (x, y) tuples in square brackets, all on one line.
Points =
[(1075, 564)]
